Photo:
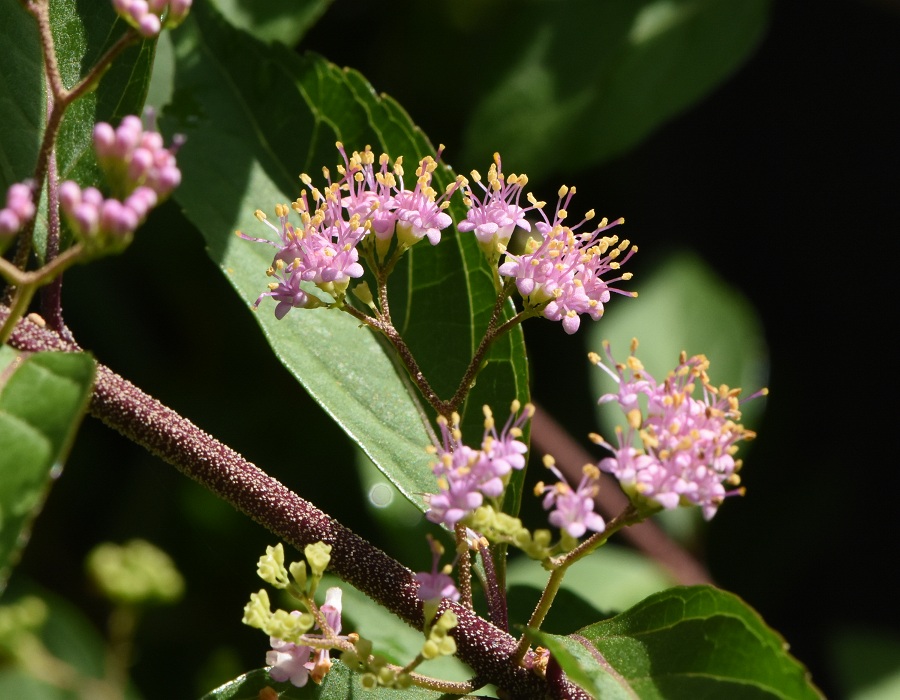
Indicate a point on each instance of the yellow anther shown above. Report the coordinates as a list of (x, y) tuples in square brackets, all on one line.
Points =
[(634, 418)]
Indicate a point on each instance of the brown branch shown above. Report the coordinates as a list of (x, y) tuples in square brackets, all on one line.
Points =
[(146, 421)]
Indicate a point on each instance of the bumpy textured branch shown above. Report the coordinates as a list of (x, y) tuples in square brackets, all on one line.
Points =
[(143, 419)]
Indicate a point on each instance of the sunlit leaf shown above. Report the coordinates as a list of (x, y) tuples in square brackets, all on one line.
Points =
[(42, 400), (685, 642)]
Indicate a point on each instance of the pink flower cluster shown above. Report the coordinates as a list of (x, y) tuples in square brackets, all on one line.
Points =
[(323, 250), (139, 168), (467, 476), (132, 157), (144, 15), (297, 662), (561, 274), (19, 208), (687, 442), (321, 253)]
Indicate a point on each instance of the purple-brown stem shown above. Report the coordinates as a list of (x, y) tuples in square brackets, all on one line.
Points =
[(495, 595), (164, 433)]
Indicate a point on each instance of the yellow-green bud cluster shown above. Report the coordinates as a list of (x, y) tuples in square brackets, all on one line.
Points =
[(439, 642), (318, 556), (284, 625), (281, 624), (500, 527), (374, 669), (133, 573), (270, 567)]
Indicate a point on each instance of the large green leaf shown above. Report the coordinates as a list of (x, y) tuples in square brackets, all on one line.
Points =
[(256, 116), (42, 400), (686, 642), (339, 684), (610, 72)]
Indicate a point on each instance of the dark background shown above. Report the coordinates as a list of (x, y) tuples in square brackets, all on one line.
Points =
[(784, 179)]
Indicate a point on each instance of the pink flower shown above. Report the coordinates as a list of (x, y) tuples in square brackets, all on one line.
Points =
[(495, 215), (288, 662), (296, 662), (562, 274), (145, 16), (573, 509), (322, 252), (438, 584), (685, 443)]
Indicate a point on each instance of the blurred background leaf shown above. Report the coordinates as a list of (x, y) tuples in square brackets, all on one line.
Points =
[(286, 21), (643, 62)]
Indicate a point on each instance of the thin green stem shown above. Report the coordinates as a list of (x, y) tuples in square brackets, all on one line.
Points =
[(561, 564)]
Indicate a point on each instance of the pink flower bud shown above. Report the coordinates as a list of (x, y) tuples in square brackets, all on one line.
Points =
[(9, 222), (86, 218), (69, 195), (104, 139), (92, 196), (149, 25), (140, 164)]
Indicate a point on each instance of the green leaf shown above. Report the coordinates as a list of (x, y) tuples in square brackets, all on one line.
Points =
[(610, 72), (686, 642), (286, 21), (42, 399), (256, 116), (21, 93), (339, 684)]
